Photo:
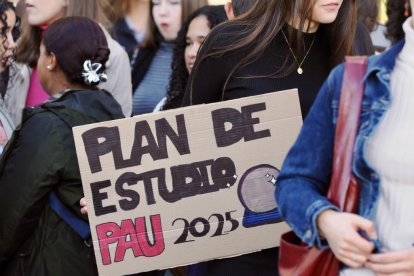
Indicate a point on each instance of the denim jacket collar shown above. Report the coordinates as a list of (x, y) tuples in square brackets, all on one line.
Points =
[(385, 63)]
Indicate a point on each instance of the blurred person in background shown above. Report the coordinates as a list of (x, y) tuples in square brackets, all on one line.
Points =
[(131, 24), (368, 13), (397, 11), (190, 37), (236, 8), (152, 68)]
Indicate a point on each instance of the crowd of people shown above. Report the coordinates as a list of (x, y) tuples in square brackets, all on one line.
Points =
[(66, 63)]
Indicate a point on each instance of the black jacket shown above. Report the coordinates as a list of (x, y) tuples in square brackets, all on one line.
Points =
[(41, 158)]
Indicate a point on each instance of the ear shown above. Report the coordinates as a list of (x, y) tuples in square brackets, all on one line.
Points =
[(228, 7), (52, 64)]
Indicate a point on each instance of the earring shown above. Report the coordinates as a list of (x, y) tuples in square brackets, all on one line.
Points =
[(406, 9), (49, 67)]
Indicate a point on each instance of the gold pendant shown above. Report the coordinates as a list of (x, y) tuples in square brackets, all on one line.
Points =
[(300, 71)]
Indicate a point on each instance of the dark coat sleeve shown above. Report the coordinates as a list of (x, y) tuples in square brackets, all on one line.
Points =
[(30, 172)]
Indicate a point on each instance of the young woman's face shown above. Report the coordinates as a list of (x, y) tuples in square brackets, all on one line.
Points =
[(197, 32), (325, 11), (7, 43), (167, 17), (44, 12)]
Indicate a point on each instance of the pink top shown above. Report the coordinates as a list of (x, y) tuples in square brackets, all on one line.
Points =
[(36, 95)]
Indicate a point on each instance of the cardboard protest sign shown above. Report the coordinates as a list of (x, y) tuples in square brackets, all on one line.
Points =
[(187, 185)]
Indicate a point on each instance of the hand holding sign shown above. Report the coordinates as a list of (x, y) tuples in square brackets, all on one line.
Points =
[(84, 206)]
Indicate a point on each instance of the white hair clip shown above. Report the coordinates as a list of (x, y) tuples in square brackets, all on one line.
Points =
[(90, 73)]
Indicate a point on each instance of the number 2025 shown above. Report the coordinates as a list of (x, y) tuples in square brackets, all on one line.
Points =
[(190, 227)]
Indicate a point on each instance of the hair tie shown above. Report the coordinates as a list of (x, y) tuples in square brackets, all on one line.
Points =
[(90, 73)]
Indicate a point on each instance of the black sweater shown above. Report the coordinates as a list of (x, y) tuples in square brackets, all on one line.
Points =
[(211, 74)]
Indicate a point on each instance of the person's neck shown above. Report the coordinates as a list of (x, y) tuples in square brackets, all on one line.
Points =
[(138, 14), (308, 27), (65, 87)]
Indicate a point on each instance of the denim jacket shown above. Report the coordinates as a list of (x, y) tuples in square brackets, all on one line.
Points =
[(306, 172)]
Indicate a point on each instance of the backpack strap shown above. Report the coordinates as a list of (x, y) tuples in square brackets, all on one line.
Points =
[(77, 224)]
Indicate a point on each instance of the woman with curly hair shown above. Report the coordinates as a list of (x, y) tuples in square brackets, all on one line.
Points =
[(151, 69), (189, 39), (9, 32)]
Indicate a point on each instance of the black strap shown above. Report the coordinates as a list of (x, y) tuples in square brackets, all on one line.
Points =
[(77, 224)]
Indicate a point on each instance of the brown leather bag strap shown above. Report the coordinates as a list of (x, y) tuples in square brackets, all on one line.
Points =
[(347, 128)]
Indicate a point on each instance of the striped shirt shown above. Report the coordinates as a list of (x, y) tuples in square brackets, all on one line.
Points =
[(155, 83)]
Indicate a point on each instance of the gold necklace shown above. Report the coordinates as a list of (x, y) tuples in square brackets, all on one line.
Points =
[(299, 70)]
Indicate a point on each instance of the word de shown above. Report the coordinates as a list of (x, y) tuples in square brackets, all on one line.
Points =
[(242, 125)]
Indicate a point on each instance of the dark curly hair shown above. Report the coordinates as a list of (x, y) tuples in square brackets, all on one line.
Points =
[(396, 18), (74, 40), (179, 77), (4, 7), (7, 76)]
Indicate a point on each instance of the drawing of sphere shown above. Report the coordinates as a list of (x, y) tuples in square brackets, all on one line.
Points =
[(257, 187)]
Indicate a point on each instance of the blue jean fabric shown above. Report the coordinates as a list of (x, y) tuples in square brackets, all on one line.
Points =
[(306, 172)]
